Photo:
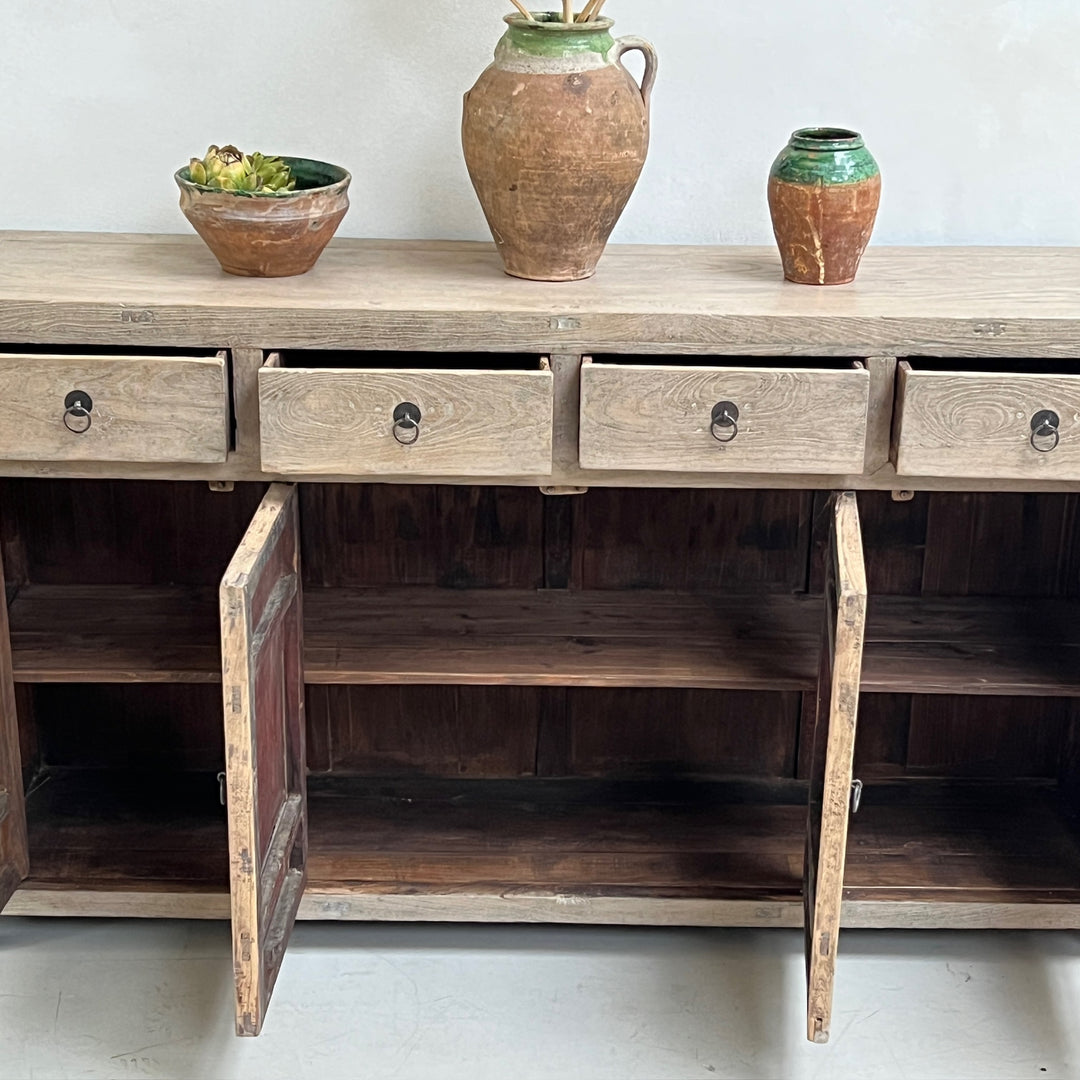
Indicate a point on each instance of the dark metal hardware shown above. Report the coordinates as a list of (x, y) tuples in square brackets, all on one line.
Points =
[(856, 795), (77, 406), (223, 790), (407, 423), (725, 422), (1045, 424)]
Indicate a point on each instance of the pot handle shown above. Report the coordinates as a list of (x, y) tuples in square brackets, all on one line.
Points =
[(624, 45)]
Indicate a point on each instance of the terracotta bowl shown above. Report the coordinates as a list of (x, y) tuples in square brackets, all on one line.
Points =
[(269, 235)]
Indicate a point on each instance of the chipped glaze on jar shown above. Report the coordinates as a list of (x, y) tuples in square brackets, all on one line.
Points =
[(824, 192), (555, 134)]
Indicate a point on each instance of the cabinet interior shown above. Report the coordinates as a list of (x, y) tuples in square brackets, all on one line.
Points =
[(609, 694)]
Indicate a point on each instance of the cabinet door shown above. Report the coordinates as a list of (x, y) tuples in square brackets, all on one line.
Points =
[(262, 676), (833, 757), (13, 847)]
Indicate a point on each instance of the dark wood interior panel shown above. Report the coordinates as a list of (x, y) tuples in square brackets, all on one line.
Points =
[(149, 729), (733, 541), (474, 731), (123, 531), (967, 544), (660, 733), (376, 535), (914, 840), (987, 736), (998, 544)]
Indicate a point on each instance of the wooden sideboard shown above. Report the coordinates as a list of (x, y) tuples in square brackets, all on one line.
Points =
[(406, 590)]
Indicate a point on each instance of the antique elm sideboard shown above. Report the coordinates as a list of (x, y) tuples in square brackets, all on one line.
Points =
[(406, 590)]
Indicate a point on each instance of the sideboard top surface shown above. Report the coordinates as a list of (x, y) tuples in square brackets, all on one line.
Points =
[(119, 289)]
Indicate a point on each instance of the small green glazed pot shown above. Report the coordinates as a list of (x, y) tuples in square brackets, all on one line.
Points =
[(824, 193)]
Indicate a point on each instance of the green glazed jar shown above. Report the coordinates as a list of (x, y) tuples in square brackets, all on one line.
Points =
[(824, 193)]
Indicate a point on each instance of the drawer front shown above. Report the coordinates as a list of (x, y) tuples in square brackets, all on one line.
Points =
[(351, 422), (136, 408), (783, 421), (980, 425)]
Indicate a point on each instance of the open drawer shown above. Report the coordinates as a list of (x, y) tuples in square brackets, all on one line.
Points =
[(372, 414), (1005, 419), (711, 416), (151, 406)]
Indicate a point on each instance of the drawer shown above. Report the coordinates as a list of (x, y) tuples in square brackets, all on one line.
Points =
[(984, 423), (114, 407), (423, 420), (724, 418)]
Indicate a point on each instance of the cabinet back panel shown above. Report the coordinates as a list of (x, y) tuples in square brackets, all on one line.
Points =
[(504, 732), (735, 541), (378, 535), (938, 735), (132, 532), (166, 728), (968, 544)]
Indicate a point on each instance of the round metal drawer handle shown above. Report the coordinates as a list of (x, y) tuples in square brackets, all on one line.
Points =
[(77, 406), (407, 423), (1046, 424), (725, 422)]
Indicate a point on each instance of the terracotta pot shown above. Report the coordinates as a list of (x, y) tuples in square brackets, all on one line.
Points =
[(555, 134), (824, 192), (269, 235)]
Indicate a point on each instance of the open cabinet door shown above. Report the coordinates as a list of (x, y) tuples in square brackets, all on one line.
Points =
[(14, 862), (833, 756), (262, 677)]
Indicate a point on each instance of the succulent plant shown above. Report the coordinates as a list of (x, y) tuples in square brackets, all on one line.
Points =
[(225, 168)]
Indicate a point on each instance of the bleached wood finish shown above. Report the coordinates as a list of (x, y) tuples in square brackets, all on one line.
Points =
[(344, 905), (417, 295), (831, 779), (262, 683), (145, 409), (13, 845), (473, 423), (972, 423), (659, 418)]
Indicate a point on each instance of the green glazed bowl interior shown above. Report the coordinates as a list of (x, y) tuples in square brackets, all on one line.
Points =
[(311, 176)]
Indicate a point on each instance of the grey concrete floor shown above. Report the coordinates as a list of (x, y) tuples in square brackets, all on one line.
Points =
[(94, 999)]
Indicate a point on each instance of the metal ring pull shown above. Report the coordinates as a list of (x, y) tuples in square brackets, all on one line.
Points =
[(78, 405), (1046, 424), (725, 422), (407, 423)]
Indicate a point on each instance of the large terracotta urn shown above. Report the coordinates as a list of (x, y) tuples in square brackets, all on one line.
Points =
[(555, 134)]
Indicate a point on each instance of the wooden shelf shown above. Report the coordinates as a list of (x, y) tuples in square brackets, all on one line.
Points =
[(466, 849), (504, 637)]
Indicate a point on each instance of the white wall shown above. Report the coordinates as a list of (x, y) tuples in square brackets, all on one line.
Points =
[(971, 106)]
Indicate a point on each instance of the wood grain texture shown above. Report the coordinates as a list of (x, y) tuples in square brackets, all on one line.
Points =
[(145, 409), (612, 638), (325, 905), (659, 418), (479, 423), (830, 785), (265, 758), (971, 423), (380, 535), (692, 541), (14, 852), (923, 854), (115, 289)]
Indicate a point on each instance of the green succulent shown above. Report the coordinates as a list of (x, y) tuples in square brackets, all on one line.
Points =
[(225, 168)]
